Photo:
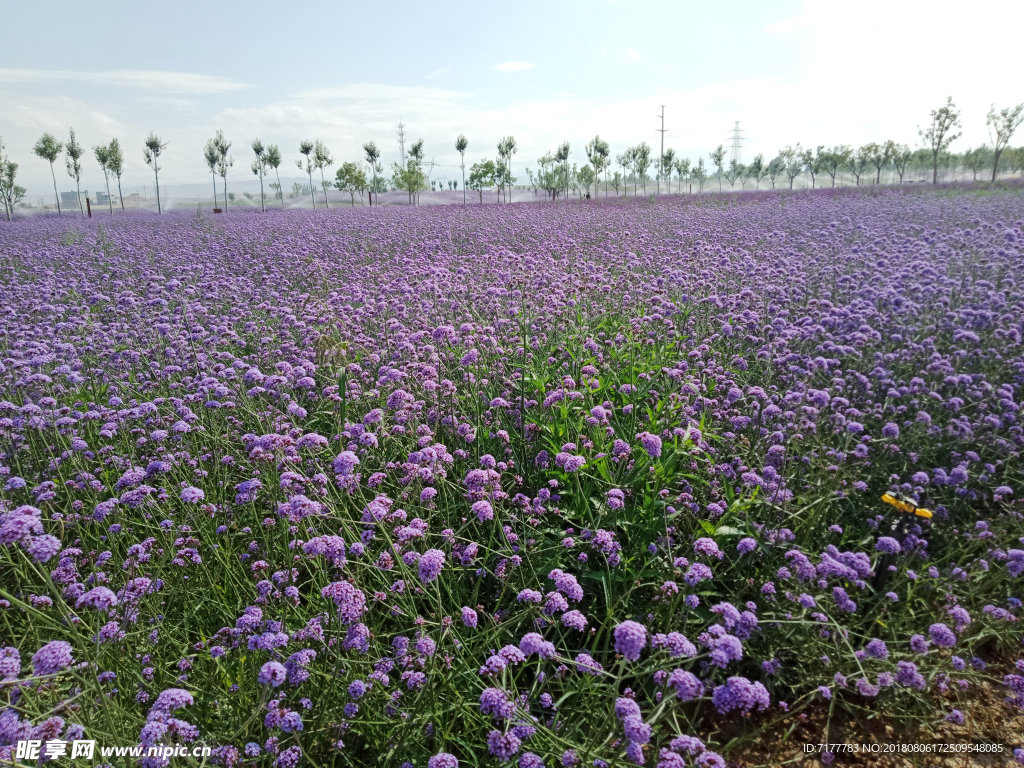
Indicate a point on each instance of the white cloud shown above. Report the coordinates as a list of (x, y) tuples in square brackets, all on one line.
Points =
[(437, 73), (514, 66), (166, 82)]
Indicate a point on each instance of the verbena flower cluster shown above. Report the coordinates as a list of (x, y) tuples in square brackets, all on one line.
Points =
[(557, 485)]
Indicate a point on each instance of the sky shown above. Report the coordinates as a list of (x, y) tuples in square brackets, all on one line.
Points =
[(811, 71)]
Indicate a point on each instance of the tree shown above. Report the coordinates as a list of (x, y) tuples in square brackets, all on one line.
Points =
[(976, 159), (776, 168), (416, 180), (1001, 127), (586, 177), (758, 170), (598, 154), (49, 148), (151, 152), (115, 162), (306, 149), (616, 182), (549, 175), (718, 159), (735, 172), (899, 157), (941, 132), (682, 171), (506, 149), (461, 143), (700, 174), (857, 162), (812, 162), (794, 162), (259, 167), (9, 190), (273, 160), (833, 159), (350, 178), (481, 176), (877, 156), (103, 160), (562, 156), (1016, 159), (322, 159), (72, 153), (212, 156), (625, 161), (372, 156), (224, 163), (667, 162), (642, 161)]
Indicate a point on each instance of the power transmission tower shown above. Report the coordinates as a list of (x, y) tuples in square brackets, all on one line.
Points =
[(401, 139), (661, 157), (737, 142)]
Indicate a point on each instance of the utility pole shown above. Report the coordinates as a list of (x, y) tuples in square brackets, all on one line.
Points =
[(661, 157)]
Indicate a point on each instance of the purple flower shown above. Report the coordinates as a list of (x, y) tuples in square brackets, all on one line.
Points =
[(272, 673), (651, 444), (350, 600), (877, 649), (10, 663), (192, 495), (52, 657), (942, 635), (430, 565), (533, 643), (574, 620), (494, 702), (746, 545), (503, 745), (483, 511), (99, 598), (443, 760), (630, 639), (707, 547), (740, 695), (686, 684), (918, 644), (469, 617), (888, 545)]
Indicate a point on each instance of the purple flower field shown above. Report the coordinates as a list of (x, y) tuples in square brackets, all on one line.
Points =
[(545, 485)]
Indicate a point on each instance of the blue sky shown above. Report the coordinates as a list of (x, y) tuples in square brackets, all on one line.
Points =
[(794, 70)]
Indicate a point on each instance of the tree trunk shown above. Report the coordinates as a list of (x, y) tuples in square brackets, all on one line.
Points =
[(323, 184), (55, 195), (214, 177), (78, 188), (263, 204), (110, 202), (311, 195), (156, 173), (935, 168), (225, 177), (280, 189), (995, 164), (119, 193)]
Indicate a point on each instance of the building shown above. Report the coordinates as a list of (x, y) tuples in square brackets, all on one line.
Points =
[(69, 200), (102, 198)]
